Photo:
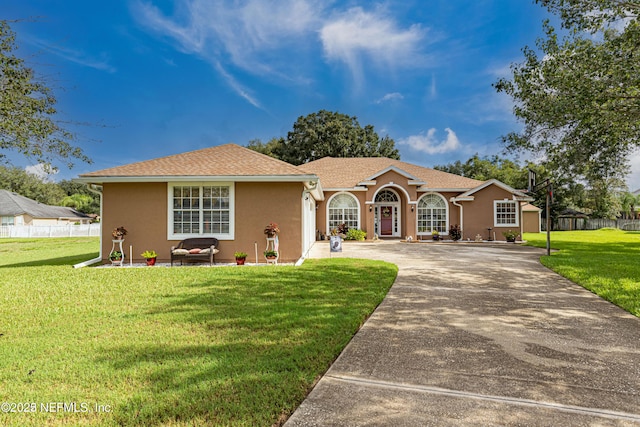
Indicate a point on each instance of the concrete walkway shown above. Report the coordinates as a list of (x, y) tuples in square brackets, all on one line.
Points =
[(476, 334)]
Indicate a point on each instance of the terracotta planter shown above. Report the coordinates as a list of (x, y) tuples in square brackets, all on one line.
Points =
[(240, 261), (151, 261), (271, 258)]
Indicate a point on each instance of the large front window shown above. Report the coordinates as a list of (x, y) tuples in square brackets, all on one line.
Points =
[(343, 209), (505, 213), (201, 210), (7, 220), (432, 214)]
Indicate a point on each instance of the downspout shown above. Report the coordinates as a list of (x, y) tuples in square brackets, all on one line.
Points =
[(97, 190), (305, 193), (453, 200)]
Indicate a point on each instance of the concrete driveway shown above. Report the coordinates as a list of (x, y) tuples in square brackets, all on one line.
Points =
[(476, 334)]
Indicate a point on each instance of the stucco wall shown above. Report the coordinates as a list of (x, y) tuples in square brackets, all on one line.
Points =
[(479, 214), (142, 209)]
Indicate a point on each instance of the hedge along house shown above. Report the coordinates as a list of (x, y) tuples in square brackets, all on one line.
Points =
[(228, 192), (391, 198), (232, 193)]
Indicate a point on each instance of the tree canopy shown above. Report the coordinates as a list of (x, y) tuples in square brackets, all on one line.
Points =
[(27, 111), (327, 133), (579, 96)]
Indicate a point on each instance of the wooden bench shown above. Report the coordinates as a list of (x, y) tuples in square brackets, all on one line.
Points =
[(186, 250)]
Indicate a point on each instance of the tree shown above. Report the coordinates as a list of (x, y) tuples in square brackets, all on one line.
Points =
[(579, 98), (20, 182), (79, 197), (270, 148), (327, 133), (27, 109)]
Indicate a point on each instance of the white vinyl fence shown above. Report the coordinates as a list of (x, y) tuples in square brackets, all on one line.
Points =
[(71, 230)]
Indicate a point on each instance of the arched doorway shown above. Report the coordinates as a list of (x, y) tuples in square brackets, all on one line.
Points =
[(387, 213)]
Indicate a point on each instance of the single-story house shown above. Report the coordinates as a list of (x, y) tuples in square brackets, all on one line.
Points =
[(232, 193), (19, 210)]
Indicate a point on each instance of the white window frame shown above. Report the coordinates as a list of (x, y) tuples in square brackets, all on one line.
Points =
[(8, 221), (516, 214), (446, 213), (358, 213), (220, 236)]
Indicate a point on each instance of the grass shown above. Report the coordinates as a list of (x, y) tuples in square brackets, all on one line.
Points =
[(161, 346), (606, 262)]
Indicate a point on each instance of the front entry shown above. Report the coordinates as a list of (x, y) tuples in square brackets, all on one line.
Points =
[(387, 213), (386, 220)]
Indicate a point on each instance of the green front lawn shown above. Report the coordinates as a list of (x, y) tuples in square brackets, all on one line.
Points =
[(607, 262), (162, 346)]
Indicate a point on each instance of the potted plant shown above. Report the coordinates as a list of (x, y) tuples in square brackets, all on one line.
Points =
[(240, 257), (270, 254), (115, 257), (455, 233), (118, 233), (271, 229), (510, 236), (150, 256), (435, 235)]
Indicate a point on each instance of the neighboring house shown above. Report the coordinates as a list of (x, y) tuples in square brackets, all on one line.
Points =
[(232, 193), (19, 210)]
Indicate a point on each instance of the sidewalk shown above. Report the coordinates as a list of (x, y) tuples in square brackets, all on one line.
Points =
[(475, 334)]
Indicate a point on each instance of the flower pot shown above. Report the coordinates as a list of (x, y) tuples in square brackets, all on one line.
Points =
[(240, 261), (271, 258), (151, 261)]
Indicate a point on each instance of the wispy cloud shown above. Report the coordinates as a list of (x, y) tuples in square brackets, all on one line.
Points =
[(428, 143), (358, 35), (75, 56), (394, 96), (249, 35)]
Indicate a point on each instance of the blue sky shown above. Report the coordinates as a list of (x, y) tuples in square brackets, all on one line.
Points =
[(159, 77)]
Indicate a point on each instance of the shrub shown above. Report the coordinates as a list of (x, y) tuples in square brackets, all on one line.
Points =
[(455, 233), (355, 234)]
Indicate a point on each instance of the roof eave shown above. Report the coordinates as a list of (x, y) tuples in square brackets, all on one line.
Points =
[(190, 178)]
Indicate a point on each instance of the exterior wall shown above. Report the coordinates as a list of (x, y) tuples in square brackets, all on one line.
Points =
[(142, 208), (479, 214), (258, 204)]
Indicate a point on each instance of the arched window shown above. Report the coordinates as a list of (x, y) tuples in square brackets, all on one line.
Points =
[(432, 214), (386, 196), (343, 209)]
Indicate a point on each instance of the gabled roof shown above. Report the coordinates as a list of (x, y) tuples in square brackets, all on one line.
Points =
[(519, 195), (347, 173), (12, 204), (229, 160)]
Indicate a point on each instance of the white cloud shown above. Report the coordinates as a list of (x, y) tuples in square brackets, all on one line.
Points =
[(394, 96), (429, 144), (42, 171), (356, 35), (74, 56)]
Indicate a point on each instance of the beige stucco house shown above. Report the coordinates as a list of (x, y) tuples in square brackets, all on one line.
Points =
[(231, 193)]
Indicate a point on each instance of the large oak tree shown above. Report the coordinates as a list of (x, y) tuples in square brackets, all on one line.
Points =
[(328, 133)]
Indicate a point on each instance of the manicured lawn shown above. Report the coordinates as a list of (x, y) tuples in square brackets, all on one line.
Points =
[(607, 262), (161, 346)]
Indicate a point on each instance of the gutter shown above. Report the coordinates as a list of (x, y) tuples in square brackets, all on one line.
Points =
[(97, 189)]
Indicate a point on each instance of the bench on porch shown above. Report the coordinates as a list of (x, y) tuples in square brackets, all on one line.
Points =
[(198, 249)]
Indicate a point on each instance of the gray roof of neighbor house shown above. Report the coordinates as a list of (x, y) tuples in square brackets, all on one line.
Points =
[(12, 204)]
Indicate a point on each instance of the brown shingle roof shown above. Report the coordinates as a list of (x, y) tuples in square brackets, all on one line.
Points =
[(222, 160), (348, 172)]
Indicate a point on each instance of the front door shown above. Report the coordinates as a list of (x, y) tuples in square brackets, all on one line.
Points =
[(386, 220)]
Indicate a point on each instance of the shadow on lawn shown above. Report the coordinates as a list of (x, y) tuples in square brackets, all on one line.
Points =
[(257, 342), (66, 260)]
